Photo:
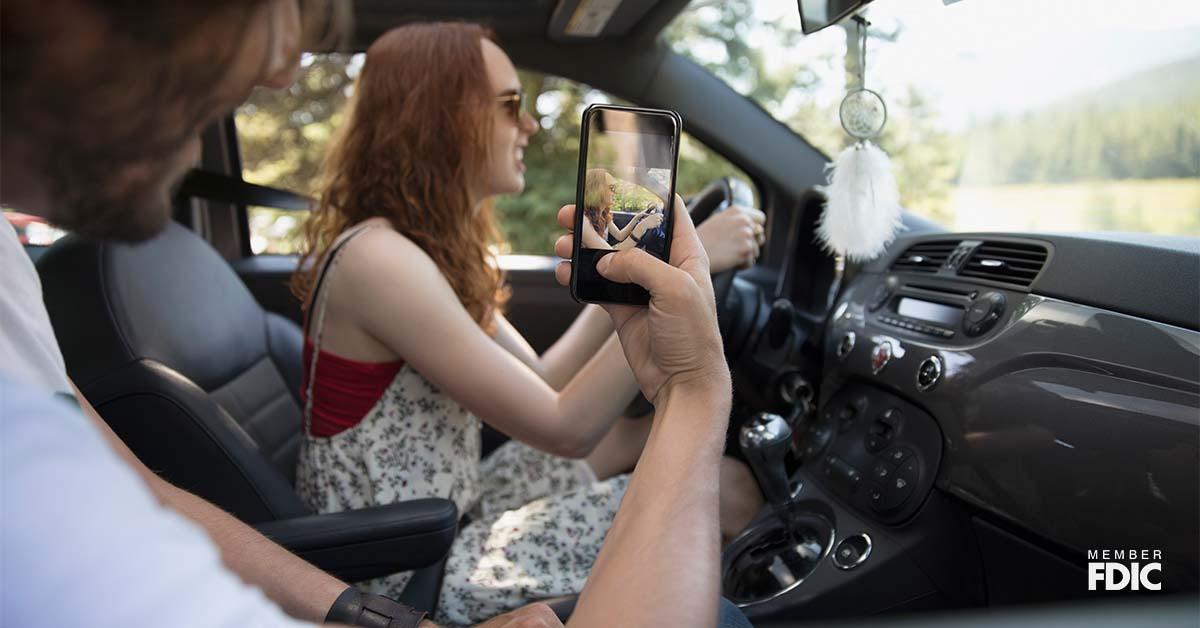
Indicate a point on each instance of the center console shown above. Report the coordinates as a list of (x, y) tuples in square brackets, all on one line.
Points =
[(835, 539), (879, 455)]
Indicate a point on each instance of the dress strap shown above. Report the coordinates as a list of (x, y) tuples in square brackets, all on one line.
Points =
[(318, 304)]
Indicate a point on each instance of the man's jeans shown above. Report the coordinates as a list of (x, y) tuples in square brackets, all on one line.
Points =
[(731, 617)]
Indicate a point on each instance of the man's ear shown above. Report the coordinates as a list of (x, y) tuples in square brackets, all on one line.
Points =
[(283, 59)]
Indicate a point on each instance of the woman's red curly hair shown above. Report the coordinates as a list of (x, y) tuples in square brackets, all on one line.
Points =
[(418, 131)]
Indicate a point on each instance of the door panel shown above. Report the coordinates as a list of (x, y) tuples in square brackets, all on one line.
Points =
[(539, 308), (267, 277)]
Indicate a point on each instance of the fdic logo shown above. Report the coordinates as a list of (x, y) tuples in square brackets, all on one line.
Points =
[(1124, 569)]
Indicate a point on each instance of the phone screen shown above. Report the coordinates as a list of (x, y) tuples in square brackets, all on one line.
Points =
[(626, 183)]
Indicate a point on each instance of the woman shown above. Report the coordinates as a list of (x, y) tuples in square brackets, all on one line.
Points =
[(407, 349), (598, 192)]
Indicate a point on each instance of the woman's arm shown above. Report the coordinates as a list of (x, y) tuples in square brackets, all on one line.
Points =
[(403, 301), (591, 239), (639, 230), (621, 234), (558, 364)]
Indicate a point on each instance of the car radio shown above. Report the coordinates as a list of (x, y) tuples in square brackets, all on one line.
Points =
[(936, 310)]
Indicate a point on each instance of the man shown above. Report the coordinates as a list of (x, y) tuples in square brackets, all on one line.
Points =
[(103, 102)]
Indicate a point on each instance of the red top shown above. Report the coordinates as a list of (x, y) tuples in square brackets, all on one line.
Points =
[(345, 390)]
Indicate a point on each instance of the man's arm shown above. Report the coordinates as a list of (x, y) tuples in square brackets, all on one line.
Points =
[(659, 563), (85, 542), (665, 538), (302, 590)]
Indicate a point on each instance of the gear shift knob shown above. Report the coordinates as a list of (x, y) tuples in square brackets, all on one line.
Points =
[(765, 440)]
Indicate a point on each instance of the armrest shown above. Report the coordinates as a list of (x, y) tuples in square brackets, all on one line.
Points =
[(370, 542)]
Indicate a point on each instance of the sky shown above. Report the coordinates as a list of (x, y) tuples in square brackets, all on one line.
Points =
[(981, 57)]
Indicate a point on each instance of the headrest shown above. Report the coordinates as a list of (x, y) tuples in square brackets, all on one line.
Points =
[(171, 299)]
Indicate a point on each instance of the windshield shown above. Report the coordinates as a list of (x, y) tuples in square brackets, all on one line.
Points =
[(1007, 115)]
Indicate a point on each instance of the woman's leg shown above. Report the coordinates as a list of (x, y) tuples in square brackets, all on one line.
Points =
[(618, 452), (543, 549), (741, 498)]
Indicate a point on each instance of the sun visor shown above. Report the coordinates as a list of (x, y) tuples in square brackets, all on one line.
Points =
[(582, 20)]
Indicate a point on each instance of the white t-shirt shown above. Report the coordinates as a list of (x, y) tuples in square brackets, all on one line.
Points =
[(84, 543), (29, 353)]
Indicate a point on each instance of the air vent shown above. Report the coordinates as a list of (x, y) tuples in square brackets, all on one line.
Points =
[(1016, 263), (960, 254), (925, 257)]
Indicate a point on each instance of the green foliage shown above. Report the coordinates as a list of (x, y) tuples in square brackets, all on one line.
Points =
[(1063, 144), (717, 35), (282, 134)]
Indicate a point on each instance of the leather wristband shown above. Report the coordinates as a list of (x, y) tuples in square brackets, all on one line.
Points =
[(356, 608)]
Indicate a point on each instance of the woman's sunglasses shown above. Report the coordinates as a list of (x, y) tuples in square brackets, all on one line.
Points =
[(515, 102)]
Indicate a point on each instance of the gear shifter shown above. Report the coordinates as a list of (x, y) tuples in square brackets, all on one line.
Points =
[(765, 440)]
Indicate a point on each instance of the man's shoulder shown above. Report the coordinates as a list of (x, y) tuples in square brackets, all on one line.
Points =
[(29, 351)]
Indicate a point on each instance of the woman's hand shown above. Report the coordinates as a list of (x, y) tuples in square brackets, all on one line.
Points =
[(674, 343), (640, 215), (647, 223), (733, 237)]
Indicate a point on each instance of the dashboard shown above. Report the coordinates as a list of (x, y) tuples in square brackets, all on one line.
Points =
[(1041, 392)]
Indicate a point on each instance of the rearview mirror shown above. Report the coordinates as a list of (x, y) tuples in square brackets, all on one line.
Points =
[(817, 14)]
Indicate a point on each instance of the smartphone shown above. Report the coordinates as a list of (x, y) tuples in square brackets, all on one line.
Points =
[(624, 193)]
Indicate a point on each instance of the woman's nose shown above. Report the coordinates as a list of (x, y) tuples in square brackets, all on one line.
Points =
[(529, 123)]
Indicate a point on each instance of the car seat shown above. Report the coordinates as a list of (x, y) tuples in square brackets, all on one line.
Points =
[(167, 343)]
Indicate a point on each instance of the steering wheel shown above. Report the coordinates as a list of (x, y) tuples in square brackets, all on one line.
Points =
[(715, 198), (736, 305), (734, 323)]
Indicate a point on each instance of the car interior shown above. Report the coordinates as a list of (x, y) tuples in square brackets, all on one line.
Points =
[(949, 428)]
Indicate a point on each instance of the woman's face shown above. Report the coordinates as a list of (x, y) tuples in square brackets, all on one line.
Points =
[(504, 172)]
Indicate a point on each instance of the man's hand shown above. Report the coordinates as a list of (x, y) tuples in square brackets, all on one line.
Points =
[(673, 342), (532, 616), (733, 237)]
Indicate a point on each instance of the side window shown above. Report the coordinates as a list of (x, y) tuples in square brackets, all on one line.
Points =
[(283, 135)]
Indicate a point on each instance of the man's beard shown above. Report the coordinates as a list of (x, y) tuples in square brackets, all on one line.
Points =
[(105, 199)]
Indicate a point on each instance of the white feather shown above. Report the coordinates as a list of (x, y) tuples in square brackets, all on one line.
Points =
[(862, 208)]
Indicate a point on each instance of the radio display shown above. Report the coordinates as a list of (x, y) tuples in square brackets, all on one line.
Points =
[(932, 312)]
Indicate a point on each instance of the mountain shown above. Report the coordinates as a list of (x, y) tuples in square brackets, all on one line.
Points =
[(1142, 126), (1177, 82)]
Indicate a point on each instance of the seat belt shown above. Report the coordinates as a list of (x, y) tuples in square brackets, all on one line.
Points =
[(213, 186)]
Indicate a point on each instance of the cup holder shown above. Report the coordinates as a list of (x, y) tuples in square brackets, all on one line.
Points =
[(770, 559)]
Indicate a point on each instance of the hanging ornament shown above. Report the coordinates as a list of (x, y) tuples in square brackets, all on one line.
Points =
[(862, 208)]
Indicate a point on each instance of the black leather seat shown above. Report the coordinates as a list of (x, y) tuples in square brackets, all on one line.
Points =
[(174, 352)]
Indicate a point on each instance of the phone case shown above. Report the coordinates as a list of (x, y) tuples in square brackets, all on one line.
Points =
[(601, 290)]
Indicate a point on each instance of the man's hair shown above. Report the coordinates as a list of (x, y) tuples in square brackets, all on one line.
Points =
[(101, 96), (325, 24)]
